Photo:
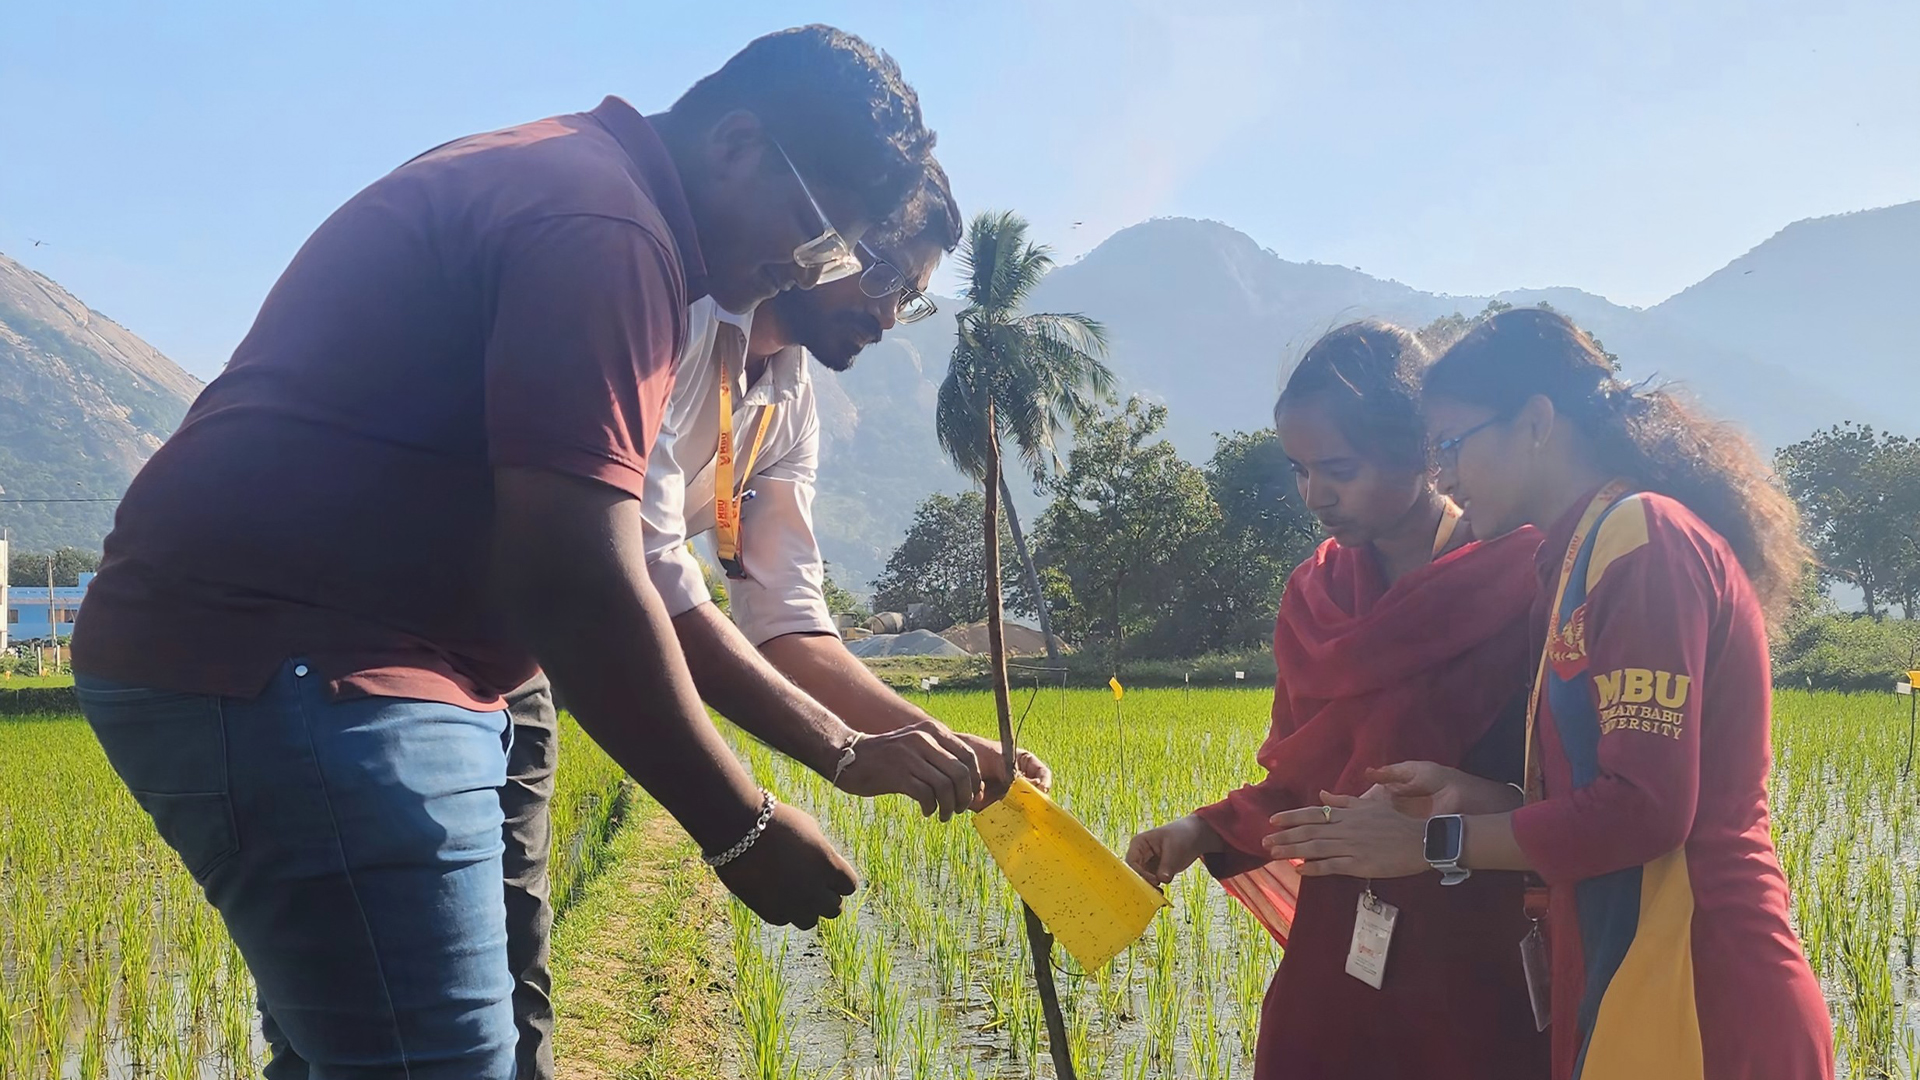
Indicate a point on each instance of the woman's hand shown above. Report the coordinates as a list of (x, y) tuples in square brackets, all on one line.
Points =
[(1423, 789), (1355, 837), (1160, 854)]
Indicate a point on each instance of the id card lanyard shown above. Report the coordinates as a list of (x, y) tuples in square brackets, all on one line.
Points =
[(727, 496), (1534, 956), (1374, 918)]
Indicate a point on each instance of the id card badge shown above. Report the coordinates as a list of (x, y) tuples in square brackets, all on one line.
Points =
[(1533, 961), (1372, 933)]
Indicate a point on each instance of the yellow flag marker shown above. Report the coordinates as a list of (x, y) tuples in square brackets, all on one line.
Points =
[(1094, 904), (1118, 690)]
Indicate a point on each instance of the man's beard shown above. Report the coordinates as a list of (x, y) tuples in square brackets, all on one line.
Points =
[(834, 340)]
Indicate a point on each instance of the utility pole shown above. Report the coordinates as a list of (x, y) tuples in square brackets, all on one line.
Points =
[(53, 630)]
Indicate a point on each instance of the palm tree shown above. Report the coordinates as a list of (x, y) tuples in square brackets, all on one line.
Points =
[(1026, 378), (1037, 374)]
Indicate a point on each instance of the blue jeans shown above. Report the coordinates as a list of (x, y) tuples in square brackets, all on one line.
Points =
[(353, 849)]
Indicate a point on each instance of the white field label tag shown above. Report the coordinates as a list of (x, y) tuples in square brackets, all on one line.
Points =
[(1372, 933), (1903, 688)]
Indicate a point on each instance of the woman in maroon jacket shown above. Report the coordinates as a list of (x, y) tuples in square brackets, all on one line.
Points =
[(1399, 638)]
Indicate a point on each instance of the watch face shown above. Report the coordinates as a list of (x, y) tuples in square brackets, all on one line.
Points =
[(1444, 835)]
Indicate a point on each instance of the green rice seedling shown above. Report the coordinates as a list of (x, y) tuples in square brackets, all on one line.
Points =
[(842, 945), (14, 1046), (52, 1013), (1252, 971), (886, 1009), (1080, 1040), (760, 999), (1209, 1060), (923, 1054), (237, 1015), (98, 993)]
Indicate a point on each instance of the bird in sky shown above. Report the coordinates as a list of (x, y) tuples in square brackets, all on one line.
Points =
[(38, 243)]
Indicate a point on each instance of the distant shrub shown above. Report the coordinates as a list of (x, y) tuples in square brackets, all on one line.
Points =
[(38, 701), (1832, 651)]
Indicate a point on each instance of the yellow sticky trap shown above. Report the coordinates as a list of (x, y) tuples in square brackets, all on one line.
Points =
[(1118, 691), (1091, 901)]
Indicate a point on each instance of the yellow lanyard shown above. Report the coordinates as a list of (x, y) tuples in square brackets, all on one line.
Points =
[(1606, 497), (727, 498)]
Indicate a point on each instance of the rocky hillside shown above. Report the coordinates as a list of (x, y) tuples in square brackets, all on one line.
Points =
[(83, 402)]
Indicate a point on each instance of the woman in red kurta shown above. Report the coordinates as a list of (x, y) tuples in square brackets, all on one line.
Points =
[(1398, 638), (1672, 957)]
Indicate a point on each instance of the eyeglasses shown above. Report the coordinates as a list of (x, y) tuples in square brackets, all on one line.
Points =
[(1446, 452), (828, 255), (882, 279)]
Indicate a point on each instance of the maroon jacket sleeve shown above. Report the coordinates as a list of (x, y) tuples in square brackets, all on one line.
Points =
[(1648, 615), (1241, 817), (587, 327)]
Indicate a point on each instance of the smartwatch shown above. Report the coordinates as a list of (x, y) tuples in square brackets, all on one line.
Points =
[(1446, 839)]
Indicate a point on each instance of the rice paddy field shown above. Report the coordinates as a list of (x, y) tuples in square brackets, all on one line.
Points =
[(111, 964)]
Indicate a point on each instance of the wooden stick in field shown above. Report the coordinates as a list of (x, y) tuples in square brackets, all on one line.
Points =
[(1039, 942)]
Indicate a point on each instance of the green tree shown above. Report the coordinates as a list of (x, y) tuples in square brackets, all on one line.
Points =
[(26, 569), (941, 561), (1447, 329), (1442, 332), (1859, 496), (1024, 378), (1228, 586), (1123, 519), (840, 601)]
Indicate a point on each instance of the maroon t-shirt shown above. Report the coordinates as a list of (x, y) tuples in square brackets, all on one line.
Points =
[(511, 299)]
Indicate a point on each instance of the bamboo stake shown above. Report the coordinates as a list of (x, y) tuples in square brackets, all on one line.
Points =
[(1039, 942)]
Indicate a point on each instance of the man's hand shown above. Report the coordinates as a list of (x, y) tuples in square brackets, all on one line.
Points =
[(1351, 836), (993, 769), (1159, 855), (1423, 789), (791, 876), (923, 761)]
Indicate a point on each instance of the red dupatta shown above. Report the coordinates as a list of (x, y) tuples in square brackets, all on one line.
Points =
[(1370, 675)]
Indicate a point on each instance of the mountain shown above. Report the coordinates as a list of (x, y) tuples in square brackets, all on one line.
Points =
[(1202, 318), (1834, 295), (83, 402)]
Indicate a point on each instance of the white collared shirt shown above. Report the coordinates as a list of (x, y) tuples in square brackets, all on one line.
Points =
[(783, 591)]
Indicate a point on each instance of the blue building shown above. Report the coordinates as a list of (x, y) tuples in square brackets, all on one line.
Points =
[(28, 610)]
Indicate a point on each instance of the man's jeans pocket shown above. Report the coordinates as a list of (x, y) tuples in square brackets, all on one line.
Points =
[(171, 750)]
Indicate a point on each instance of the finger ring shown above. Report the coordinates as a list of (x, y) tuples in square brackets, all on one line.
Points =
[(1327, 812)]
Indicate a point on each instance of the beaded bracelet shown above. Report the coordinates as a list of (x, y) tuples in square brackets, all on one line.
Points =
[(739, 849)]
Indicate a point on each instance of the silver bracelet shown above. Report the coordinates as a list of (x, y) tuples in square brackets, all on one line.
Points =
[(739, 849), (846, 757)]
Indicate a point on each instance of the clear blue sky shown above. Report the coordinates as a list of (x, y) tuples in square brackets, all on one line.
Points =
[(173, 156)]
